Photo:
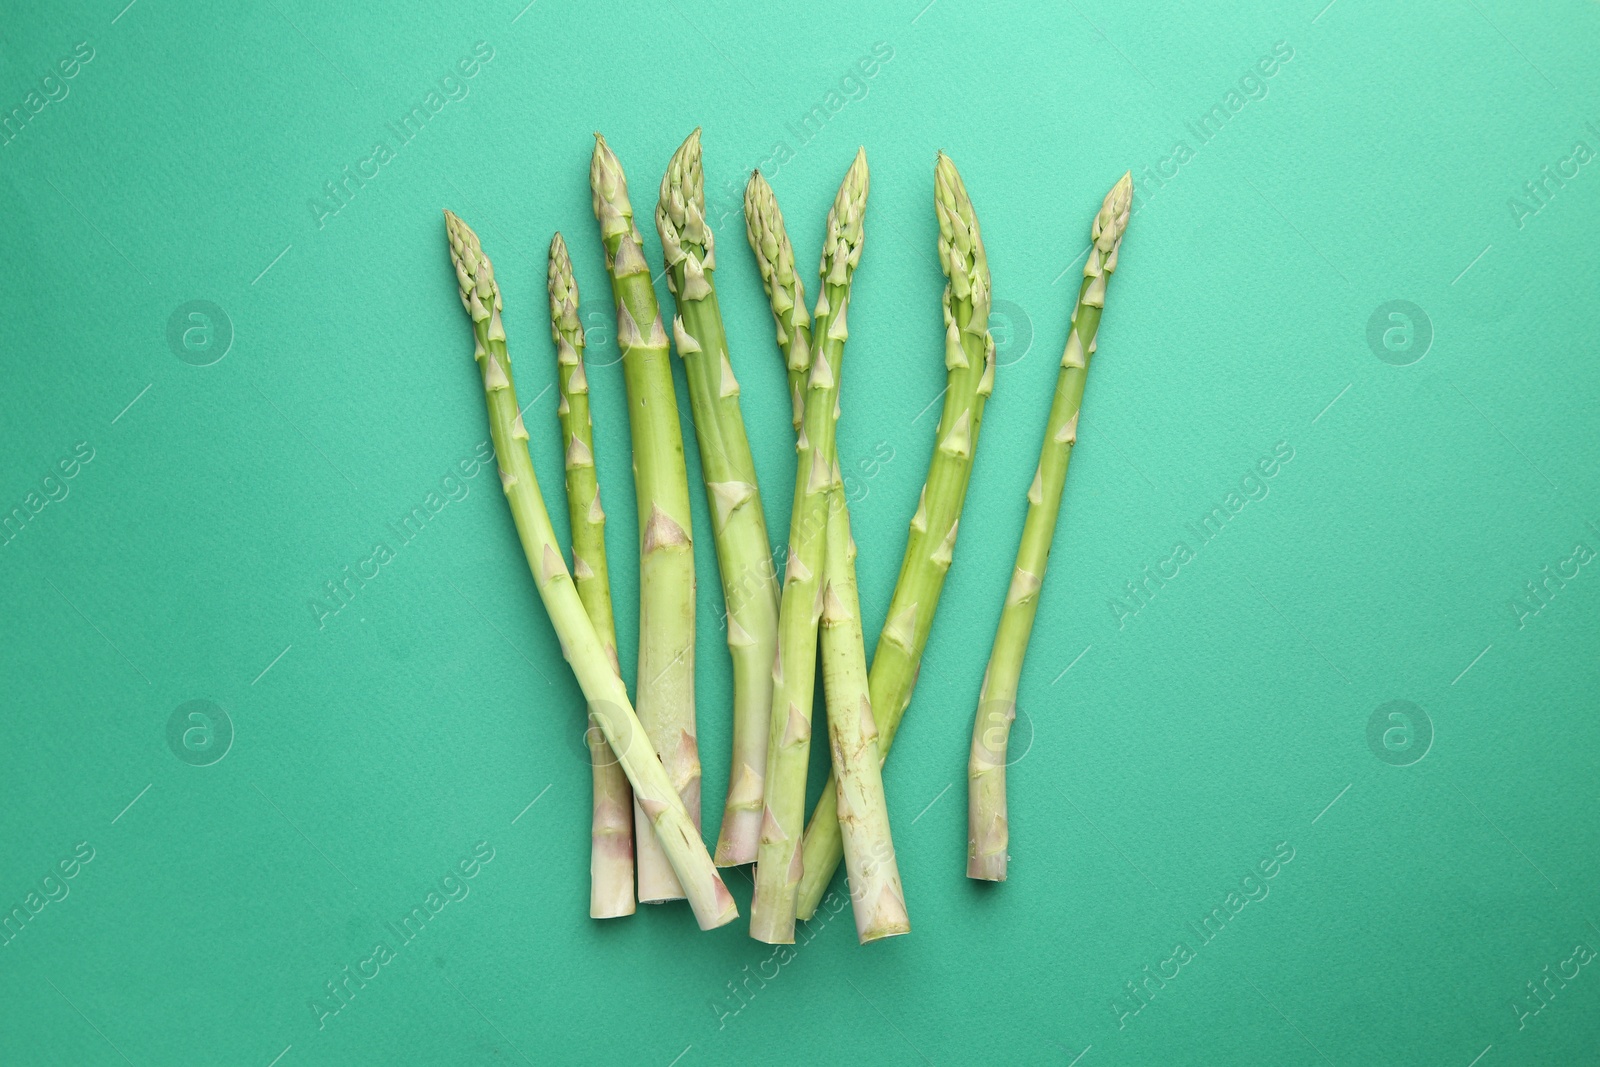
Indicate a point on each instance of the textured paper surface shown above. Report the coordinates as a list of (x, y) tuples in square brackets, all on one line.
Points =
[(1337, 273)]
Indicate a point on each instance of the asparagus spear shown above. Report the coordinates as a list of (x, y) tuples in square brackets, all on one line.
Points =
[(665, 685), (772, 909), (988, 831), (744, 556), (876, 894), (969, 361), (786, 293), (581, 644), (611, 849)]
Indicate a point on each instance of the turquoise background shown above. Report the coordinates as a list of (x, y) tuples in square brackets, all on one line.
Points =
[(1226, 719)]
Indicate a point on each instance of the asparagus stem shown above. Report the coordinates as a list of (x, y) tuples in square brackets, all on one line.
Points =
[(778, 870), (877, 897), (611, 849), (665, 684), (581, 644), (738, 524), (969, 361), (988, 832)]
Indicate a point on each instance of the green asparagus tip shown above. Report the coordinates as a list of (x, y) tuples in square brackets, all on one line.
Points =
[(841, 245), (686, 240), (474, 273), (769, 240), (763, 225), (1112, 221), (857, 178), (684, 183), (950, 199), (610, 190), (960, 240), (758, 199), (480, 293), (563, 295)]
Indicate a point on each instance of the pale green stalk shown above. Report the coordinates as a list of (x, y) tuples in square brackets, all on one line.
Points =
[(876, 893), (969, 362), (581, 645), (611, 846), (738, 523), (988, 831), (665, 684), (772, 909)]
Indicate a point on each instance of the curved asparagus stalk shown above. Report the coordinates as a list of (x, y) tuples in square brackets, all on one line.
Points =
[(772, 909), (969, 361), (665, 685), (580, 643), (611, 848), (738, 524), (988, 832), (876, 894)]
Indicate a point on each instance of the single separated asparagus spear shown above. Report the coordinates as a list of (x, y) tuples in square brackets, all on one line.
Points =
[(611, 848), (665, 685), (876, 894), (580, 643), (969, 362), (988, 831), (738, 524), (772, 909)]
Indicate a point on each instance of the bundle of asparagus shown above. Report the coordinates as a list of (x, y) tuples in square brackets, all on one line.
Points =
[(876, 895), (611, 853), (969, 366), (778, 867), (669, 822), (665, 683), (738, 524), (649, 759)]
